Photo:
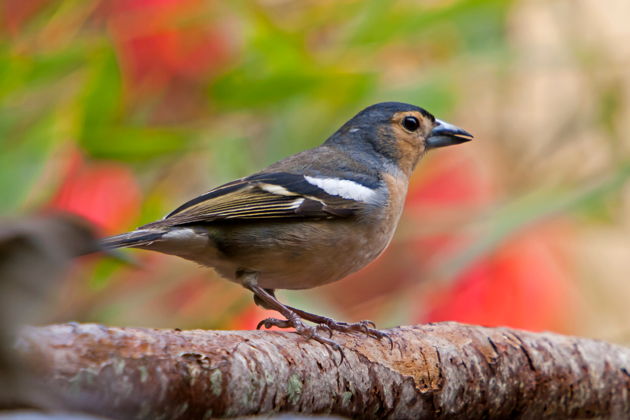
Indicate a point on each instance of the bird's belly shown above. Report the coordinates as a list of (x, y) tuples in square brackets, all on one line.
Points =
[(299, 256), (308, 272)]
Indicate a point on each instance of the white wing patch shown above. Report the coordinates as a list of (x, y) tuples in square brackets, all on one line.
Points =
[(343, 188), (275, 189)]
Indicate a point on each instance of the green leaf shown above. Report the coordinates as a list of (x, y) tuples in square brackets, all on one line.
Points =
[(23, 159), (103, 98), (132, 143), (478, 23), (237, 90)]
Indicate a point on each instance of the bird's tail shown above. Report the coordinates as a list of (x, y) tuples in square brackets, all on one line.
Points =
[(132, 239)]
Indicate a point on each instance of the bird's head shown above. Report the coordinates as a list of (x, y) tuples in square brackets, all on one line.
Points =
[(399, 132)]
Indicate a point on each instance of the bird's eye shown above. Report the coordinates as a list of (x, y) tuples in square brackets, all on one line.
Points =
[(411, 123)]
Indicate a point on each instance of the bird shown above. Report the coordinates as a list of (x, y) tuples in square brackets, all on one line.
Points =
[(309, 219), (36, 252)]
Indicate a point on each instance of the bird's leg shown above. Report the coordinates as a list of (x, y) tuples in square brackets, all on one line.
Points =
[(267, 299), (325, 323)]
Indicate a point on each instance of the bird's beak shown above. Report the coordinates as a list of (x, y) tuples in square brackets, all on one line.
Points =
[(445, 134)]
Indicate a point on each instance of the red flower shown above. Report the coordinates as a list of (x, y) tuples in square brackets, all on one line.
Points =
[(524, 284), (162, 41), (104, 193)]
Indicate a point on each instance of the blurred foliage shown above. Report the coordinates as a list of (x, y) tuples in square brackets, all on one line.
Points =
[(120, 110)]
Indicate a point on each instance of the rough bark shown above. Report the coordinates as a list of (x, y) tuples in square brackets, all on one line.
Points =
[(443, 370)]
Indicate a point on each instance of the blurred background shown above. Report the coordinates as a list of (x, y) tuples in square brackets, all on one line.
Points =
[(120, 110)]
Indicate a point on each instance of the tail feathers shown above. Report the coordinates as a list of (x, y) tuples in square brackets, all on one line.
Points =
[(131, 239)]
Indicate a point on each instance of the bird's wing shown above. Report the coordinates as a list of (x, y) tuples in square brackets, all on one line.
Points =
[(266, 196)]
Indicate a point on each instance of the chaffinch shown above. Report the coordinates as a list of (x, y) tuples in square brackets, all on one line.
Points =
[(309, 219), (35, 253)]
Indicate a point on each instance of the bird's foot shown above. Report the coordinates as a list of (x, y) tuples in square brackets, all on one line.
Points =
[(306, 331), (329, 325), (294, 319)]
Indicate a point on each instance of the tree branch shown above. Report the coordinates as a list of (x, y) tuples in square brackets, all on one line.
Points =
[(445, 370)]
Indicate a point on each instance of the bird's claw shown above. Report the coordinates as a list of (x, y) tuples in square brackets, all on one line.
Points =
[(326, 329), (365, 326), (274, 322), (328, 324), (365, 323), (305, 331)]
